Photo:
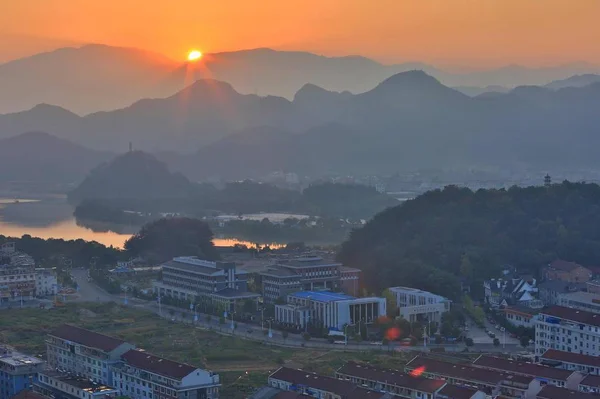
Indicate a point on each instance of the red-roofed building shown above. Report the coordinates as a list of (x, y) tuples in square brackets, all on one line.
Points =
[(552, 392), (590, 384), (571, 361), (567, 271), (143, 376)]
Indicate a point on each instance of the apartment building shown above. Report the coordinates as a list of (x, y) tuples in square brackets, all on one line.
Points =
[(191, 279), (567, 330), (309, 274), (59, 385), (418, 305), (552, 392), (590, 384), (492, 383), (17, 371), (319, 386), (84, 353), (142, 375), (544, 374), (394, 382), (17, 275), (329, 309), (587, 301), (584, 364), (46, 282)]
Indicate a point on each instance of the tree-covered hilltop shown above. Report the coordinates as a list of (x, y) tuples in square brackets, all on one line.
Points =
[(438, 238)]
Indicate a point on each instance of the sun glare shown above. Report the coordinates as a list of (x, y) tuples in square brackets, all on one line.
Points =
[(194, 55)]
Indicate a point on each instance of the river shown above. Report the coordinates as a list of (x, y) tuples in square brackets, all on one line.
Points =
[(53, 218)]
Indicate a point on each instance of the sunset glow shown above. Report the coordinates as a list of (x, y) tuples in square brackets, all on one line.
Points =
[(194, 55)]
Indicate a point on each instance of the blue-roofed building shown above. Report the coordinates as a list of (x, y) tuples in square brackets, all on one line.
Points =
[(17, 371), (328, 309)]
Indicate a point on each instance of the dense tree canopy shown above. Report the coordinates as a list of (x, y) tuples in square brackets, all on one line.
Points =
[(164, 239), (444, 235)]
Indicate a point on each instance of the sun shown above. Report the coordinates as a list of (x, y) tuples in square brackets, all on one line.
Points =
[(194, 55)]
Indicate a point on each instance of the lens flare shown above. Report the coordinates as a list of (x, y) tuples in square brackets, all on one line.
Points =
[(417, 372)]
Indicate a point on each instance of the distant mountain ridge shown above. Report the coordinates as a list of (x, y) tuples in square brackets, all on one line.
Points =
[(97, 77)]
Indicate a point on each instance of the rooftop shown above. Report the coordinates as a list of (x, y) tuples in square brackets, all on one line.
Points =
[(233, 293), (561, 286), (584, 297), (465, 372), (528, 369), (564, 265), (456, 392), (578, 316), (157, 365), (13, 358), (78, 382), (553, 392), (395, 377), (570, 357), (27, 394), (322, 296), (87, 338), (309, 261), (279, 272), (591, 381)]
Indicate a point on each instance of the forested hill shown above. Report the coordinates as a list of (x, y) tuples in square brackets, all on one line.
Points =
[(444, 235)]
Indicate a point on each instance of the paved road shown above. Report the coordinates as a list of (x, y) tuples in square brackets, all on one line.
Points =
[(90, 292)]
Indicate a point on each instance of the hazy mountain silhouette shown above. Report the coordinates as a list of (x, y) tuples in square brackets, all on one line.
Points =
[(101, 78), (132, 175), (474, 91), (40, 157), (574, 81)]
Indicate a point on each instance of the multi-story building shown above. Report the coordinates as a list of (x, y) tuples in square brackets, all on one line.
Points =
[(520, 316), (142, 375), (567, 330), (84, 353), (319, 386), (418, 305), (310, 274), (46, 282), (329, 309), (581, 301), (584, 364), (593, 286), (552, 392), (59, 385), (550, 291), (570, 272), (590, 384), (17, 371), (510, 290), (192, 279), (545, 375), (17, 275)]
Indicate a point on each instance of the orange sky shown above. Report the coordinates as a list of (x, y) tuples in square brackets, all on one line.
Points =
[(465, 32)]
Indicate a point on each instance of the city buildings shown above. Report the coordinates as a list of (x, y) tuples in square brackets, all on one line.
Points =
[(329, 309), (46, 282), (17, 274), (511, 289), (192, 279), (552, 392), (551, 291), (570, 272), (581, 300), (567, 330), (142, 375), (17, 371), (319, 386), (59, 385), (590, 384), (417, 305), (584, 364), (310, 274), (520, 316), (84, 353)]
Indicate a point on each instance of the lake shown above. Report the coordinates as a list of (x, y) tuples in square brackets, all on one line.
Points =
[(53, 218)]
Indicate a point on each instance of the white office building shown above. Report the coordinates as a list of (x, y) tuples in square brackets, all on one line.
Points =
[(588, 301), (567, 330), (329, 309), (46, 283), (418, 305), (145, 376)]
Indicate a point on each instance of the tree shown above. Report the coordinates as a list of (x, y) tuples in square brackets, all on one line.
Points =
[(165, 239), (284, 335), (524, 341), (469, 342), (390, 303), (466, 268), (496, 342), (249, 306)]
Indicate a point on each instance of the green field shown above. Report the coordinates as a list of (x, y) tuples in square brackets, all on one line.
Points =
[(243, 365)]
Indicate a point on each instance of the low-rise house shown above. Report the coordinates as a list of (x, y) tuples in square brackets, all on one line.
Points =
[(491, 382), (584, 364), (552, 392), (544, 374), (593, 286), (59, 385), (142, 375), (590, 384), (84, 353), (551, 291), (329, 309), (417, 305), (318, 386), (29, 394), (511, 289), (17, 371), (520, 316), (567, 330), (397, 383), (458, 392), (587, 301), (570, 272)]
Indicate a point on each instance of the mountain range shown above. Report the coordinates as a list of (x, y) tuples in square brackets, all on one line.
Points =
[(95, 78)]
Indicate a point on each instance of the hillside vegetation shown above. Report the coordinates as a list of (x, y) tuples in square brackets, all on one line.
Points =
[(446, 235)]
